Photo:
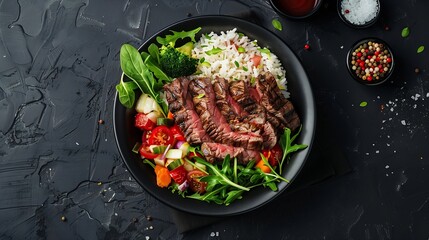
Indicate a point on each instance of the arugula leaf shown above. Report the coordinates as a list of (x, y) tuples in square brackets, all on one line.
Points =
[(225, 180), (171, 39), (286, 145)]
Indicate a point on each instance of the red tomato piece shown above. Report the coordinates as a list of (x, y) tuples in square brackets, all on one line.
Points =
[(256, 60), (273, 155), (142, 122), (179, 174), (177, 133), (161, 135), (146, 153), (145, 137), (194, 181), (192, 155)]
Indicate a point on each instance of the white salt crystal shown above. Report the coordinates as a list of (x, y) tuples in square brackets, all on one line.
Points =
[(359, 12), (403, 122), (387, 166)]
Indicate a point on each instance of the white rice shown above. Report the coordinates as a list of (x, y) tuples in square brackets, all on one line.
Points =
[(230, 64)]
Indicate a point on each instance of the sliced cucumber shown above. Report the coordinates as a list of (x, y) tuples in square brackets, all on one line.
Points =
[(174, 154), (159, 161), (153, 116), (185, 147), (146, 104), (157, 149), (136, 147), (165, 121), (141, 102)]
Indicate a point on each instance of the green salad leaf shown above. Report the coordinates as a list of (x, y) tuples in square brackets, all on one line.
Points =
[(171, 39), (133, 66), (228, 181), (277, 24)]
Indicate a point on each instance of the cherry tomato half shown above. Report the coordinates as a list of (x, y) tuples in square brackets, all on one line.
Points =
[(146, 153), (142, 122), (145, 137), (177, 133), (194, 181), (161, 135), (273, 155)]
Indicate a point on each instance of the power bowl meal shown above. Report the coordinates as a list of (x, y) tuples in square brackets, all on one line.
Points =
[(213, 114)]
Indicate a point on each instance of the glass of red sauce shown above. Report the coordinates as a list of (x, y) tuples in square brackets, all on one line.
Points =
[(296, 9)]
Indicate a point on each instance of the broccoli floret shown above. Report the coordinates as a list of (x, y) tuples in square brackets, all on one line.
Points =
[(177, 62)]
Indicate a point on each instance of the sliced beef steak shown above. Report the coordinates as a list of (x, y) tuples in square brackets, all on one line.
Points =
[(240, 92), (217, 152), (181, 105), (271, 98), (230, 118), (214, 122)]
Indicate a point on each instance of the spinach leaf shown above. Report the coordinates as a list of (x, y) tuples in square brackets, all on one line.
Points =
[(126, 93), (154, 52), (133, 66), (156, 69)]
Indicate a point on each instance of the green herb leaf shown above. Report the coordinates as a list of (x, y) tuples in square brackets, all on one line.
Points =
[(241, 49), (265, 50), (245, 69), (200, 95), (277, 24), (171, 39), (405, 32), (154, 67), (363, 104), (132, 65), (214, 51), (236, 64), (126, 93), (420, 49), (154, 52)]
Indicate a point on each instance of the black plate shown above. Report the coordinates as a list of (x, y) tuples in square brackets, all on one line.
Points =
[(301, 96)]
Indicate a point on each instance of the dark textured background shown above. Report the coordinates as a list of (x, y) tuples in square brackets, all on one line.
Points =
[(59, 62)]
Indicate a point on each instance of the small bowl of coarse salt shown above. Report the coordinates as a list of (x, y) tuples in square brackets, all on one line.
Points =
[(359, 13)]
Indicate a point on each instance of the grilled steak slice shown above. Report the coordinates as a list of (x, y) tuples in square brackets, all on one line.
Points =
[(230, 109), (217, 152), (271, 98), (181, 105), (239, 92), (214, 122)]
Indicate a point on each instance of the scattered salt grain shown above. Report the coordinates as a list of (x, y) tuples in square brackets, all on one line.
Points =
[(403, 122), (377, 151), (427, 94), (359, 12), (77, 143), (387, 166)]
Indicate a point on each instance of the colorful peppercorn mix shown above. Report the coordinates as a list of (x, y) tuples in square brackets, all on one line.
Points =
[(371, 61)]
